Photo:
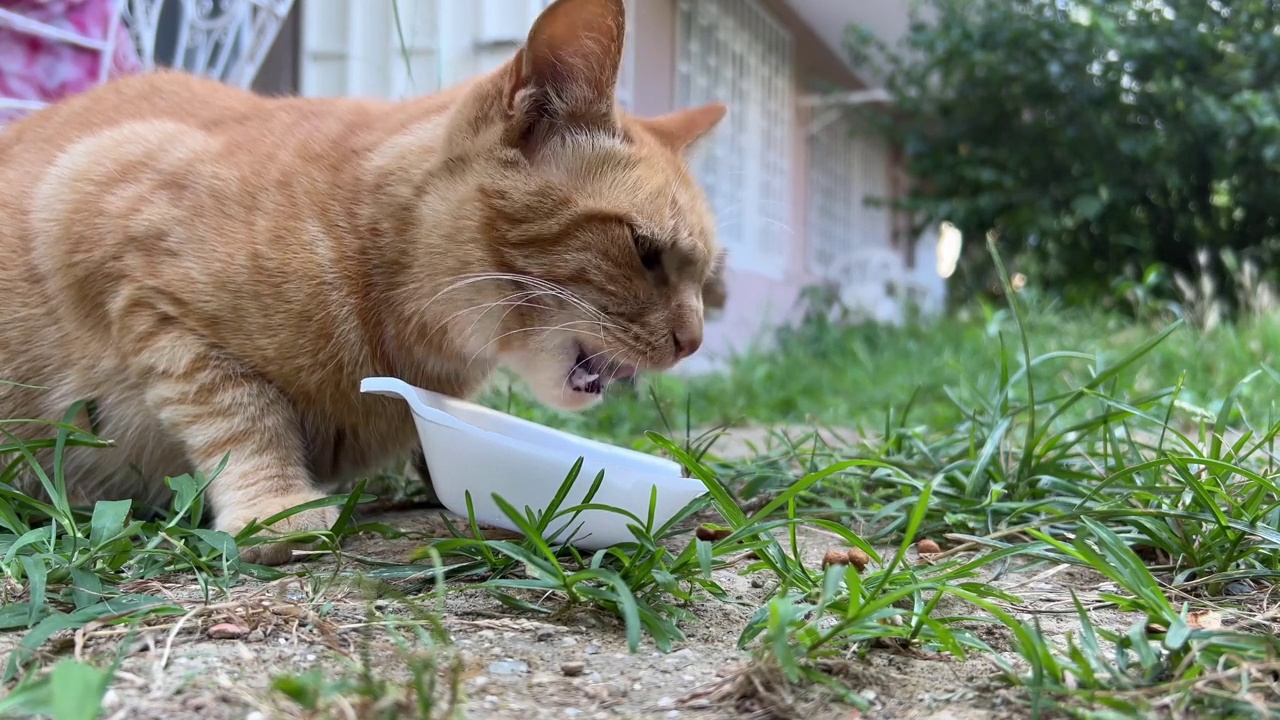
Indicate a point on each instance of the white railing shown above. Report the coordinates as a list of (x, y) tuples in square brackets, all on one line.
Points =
[(223, 39)]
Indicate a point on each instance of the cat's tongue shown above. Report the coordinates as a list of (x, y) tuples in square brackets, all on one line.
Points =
[(582, 380), (591, 374)]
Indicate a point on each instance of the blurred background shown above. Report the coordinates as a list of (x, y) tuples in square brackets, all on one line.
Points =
[(1119, 156)]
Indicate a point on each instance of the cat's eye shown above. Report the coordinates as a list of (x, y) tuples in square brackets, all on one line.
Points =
[(650, 258), (649, 250)]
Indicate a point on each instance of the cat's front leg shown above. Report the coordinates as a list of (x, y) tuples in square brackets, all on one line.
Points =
[(217, 408)]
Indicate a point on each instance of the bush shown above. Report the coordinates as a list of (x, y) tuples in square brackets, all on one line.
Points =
[(1097, 138)]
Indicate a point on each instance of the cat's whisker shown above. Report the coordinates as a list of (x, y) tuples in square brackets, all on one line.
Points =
[(603, 322), (486, 307), (545, 288), (615, 366), (512, 308), (545, 329), (559, 290), (481, 277)]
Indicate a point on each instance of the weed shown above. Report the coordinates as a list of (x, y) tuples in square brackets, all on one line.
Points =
[(1021, 436)]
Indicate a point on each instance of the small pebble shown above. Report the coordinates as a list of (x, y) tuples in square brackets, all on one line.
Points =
[(569, 642), (508, 667), (572, 712), (487, 635), (255, 635), (479, 681), (227, 631), (1239, 588), (573, 668), (255, 715), (545, 634), (673, 714), (595, 677), (666, 702), (592, 650), (757, 581)]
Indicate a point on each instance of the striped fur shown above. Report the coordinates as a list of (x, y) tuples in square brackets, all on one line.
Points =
[(217, 271)]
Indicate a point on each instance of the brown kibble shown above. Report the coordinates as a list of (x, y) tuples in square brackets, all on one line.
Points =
[(928, 547), (835, 556), (1204, 620), (712, 534), (858, 559), (573, 668), (227, 631)]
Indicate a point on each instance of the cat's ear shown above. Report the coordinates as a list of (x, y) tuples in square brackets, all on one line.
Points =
[(567, 72), (680, 129)]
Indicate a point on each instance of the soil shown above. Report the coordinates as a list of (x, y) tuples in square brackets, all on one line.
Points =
[(517, 666)]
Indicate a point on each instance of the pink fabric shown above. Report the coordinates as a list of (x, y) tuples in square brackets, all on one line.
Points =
[(41, 69)]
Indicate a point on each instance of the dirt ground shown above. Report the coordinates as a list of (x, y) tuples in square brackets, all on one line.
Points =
[(518, 667)]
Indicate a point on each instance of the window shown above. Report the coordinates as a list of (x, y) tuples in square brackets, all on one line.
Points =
[(733, 51), (848, 165), (508, 21), (353, 47)]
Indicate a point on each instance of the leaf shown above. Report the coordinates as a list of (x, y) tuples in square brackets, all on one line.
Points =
[(108, 521), (1087, 206), (77, 690), (86, 587), (37, 573), (123, 606)]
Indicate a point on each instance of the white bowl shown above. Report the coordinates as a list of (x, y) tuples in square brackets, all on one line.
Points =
[(470, 447)]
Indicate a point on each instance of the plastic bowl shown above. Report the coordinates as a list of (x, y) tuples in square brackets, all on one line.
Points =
[(472, 448)]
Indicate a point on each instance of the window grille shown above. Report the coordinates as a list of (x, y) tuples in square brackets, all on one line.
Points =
[(848, 165), (733, 51)]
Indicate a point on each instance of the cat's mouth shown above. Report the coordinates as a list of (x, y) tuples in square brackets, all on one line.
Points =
[(592, 373)]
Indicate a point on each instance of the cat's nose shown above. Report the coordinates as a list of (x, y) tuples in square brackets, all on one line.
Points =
[(686, 342)]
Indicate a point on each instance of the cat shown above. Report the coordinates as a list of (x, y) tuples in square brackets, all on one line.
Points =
[(216, 271)]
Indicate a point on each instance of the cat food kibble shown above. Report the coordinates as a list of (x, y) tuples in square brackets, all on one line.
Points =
[(835, 556), (928, 547), (858, 559), (710, 533)]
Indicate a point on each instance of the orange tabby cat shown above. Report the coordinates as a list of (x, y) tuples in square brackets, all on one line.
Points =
[(217, 271)]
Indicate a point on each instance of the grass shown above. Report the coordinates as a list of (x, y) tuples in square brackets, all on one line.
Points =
[(1030, 436), (850, 375)]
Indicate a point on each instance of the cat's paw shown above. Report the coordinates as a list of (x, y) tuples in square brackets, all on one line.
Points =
[(278, 553)]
